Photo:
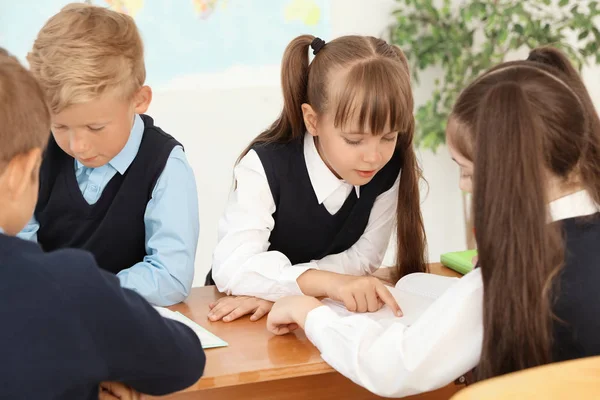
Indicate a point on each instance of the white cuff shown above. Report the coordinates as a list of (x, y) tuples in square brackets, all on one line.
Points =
[(316, 320), (289, 276)]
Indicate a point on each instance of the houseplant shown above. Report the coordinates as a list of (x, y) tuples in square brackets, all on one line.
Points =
[(465, 37)]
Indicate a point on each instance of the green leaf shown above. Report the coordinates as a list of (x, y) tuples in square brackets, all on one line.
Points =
[(441, 34), (519, 29)]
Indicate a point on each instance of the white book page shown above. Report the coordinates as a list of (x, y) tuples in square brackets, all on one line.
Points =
[(414, 294), (207, 339)]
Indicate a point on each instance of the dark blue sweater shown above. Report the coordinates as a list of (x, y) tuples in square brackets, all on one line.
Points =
[(66, 325)]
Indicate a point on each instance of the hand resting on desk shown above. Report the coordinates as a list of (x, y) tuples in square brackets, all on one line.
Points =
[(230, 308), (358, 293)]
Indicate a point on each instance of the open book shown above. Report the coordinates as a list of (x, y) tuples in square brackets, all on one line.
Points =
[(207, 339), (414, 293)]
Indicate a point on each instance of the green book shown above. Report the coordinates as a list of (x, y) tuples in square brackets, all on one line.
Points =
[(460, 261)]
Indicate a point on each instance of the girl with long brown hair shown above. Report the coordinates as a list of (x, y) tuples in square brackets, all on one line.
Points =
[(526, 137), (318, 193)]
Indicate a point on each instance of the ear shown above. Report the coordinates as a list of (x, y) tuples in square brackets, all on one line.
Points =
[(21, 172), (142, 99), (310, 119)]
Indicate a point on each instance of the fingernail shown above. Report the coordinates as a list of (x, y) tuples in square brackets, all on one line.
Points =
[(226, 319), (252, 318)]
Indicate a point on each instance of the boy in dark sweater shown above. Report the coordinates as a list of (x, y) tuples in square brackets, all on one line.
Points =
[(67, 325)]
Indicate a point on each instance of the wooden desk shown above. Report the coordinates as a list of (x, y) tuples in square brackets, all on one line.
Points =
[(259, 365)]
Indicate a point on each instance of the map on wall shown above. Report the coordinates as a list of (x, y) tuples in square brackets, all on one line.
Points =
[(190, 42)]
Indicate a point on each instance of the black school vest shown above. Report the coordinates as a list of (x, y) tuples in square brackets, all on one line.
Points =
[(304, 229), (113, 228), (577, 302)]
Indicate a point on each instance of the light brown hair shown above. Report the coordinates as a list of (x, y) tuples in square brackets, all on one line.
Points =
[(85, 51), (24, 115), (376, 92), (518, 122)]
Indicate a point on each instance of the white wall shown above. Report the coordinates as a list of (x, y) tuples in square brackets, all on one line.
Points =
[(216, 124)]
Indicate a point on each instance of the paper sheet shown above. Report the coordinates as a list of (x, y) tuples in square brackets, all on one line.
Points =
[(414, 294), (207, 339)]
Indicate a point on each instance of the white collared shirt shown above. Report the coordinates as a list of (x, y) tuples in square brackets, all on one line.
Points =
[(242, 264), (392, 359)]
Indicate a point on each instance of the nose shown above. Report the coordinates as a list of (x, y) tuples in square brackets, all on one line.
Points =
[(77, 143), (372, 155), (465, 185)]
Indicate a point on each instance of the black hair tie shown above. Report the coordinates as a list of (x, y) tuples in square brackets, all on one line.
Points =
[(317, 44)]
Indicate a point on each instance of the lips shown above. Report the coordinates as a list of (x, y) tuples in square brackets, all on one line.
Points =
[(366, 174), (87, 160)]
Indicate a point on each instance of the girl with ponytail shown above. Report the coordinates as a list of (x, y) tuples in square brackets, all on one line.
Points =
[(319, 192), (523, 134)]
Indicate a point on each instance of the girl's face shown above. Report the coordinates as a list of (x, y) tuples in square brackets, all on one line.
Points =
[(350, 153), (466, 165)]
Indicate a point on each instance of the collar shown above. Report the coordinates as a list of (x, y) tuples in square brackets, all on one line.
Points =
[(573, 205), (123, 160), (323, 181)]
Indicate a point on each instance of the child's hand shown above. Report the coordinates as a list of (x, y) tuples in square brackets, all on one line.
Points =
[(230, 308), (289, 313), (116, 391), (362, 294)]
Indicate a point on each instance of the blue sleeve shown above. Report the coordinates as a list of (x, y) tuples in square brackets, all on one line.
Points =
[(30, 230), (164, 277), (131, 341)]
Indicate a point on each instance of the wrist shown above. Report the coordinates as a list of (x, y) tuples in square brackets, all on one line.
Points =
[(305, 306), (314, 283)]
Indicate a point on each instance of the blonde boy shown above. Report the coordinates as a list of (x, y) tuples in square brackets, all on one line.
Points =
[(112, 182)]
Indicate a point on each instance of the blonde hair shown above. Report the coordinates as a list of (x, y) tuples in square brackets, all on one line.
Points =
[(85, 51), (24, 115)]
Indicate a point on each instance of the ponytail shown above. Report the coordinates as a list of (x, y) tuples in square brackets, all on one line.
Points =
[(519, 251), (411, 242), (410, 233), (589, 165), (294, 81)]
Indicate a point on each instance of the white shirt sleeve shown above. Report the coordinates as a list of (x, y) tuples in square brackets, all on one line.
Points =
[(394, 360), (242, 264), (366, 255)]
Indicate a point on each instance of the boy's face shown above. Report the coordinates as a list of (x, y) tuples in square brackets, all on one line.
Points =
[(96, 131), (19, 187)]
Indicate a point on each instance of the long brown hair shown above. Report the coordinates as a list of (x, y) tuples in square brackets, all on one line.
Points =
[(377, 91), (518, 122), (590, 163)]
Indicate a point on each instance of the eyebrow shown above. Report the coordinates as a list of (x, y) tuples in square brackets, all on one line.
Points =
[(362, 133), (101, 123)]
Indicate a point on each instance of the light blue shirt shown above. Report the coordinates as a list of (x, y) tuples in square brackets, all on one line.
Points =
[(164, 277)]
